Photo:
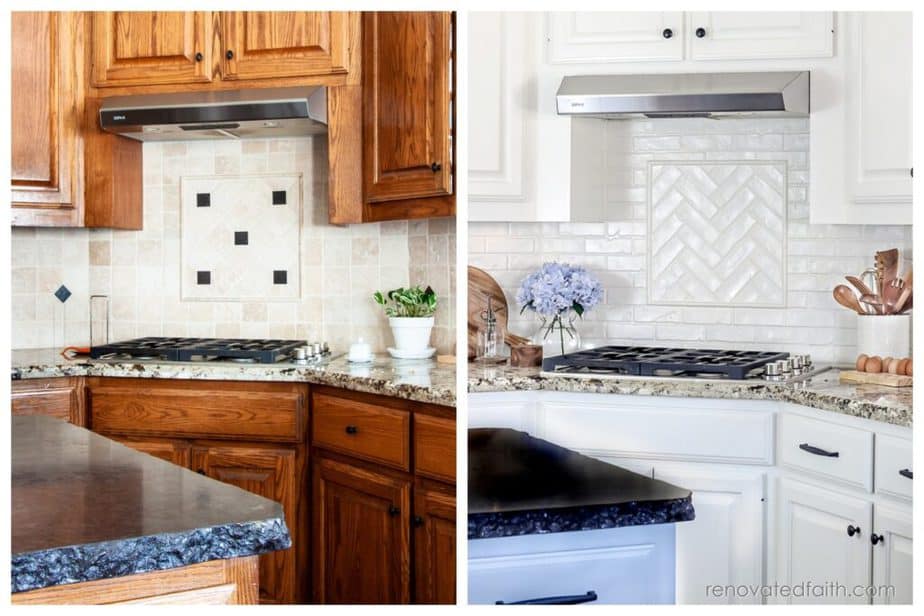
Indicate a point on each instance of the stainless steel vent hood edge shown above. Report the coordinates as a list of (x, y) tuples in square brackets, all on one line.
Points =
[(765, 94)]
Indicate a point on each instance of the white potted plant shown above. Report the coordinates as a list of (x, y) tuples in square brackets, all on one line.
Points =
[(410, 315)]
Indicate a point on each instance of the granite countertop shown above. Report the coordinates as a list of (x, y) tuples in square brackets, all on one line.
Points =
[(521, 485), (419, 380), (823, 391), (87, 508)]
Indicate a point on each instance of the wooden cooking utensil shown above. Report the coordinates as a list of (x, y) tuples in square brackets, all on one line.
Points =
[(847, 298), (890, 295), (886, 266), (904, 300), (862, 287), (482, 285), (874, 301)]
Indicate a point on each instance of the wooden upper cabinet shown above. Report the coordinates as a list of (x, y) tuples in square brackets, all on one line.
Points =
[(265, 44), (406, 106), (151, 47)]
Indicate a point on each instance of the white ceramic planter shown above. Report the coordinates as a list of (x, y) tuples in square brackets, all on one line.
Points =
[(885, 336), (411, 333)]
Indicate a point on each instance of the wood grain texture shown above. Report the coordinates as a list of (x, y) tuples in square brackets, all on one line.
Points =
[(345, 154), (481, 286), (360, 429), (407, 209), (435, 447), (62, 397), (406, 111), (435, 545), (175, 451), (181, 582), (887, 379), (361, 543)]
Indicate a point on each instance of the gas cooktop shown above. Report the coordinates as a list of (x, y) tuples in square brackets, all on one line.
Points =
[(242, 350), (713, 364)]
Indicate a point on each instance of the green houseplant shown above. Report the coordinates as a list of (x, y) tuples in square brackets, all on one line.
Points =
[(410, 315)]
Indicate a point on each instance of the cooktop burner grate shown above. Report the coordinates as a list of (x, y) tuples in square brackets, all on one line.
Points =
[(657, 361), (189, 349)]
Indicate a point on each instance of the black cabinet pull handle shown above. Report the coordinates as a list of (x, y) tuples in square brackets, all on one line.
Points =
[(435, 167), (229, 54), (587, 597), (352, 429), (200, 471), (875, 539), (700, 32), (667, 33), (819, 451), (853, 530), (198, 56), (393, 511), (418, 521), (906, 472)]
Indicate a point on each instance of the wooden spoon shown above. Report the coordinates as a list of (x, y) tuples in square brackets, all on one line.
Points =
[(861, 286), (873, 300), (847, 298), (890, 295), (904, 300)]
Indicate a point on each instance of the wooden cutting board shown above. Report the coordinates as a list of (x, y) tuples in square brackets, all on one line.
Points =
[(482, 285), (887, 379)]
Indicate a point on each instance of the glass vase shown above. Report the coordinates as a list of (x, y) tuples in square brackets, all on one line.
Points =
[(558, 334)]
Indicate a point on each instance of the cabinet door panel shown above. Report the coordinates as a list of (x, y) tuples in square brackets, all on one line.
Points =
[(151, 47), (270, 472), (59, 397), (892, 557), (731, 35), (814, 543), (170, 450), (406, 128), (266, 44), (435, 547), (360, 512), (597, 37)]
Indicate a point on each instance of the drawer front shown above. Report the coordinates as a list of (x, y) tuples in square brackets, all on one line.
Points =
[(893, 466), (362, 430), (250, 411), (827, 449), (54, 397), (435, 447)]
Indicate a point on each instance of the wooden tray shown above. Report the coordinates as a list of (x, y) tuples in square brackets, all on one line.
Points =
[(480, 286), (889, 380)]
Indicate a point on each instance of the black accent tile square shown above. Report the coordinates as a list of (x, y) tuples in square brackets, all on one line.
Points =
[(279, 197), (280, 277), (203, 200), (203, 277), (241, 238), (62, 293)]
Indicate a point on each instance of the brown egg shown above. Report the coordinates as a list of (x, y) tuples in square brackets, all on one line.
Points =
[(902, 366), (874, 365), (885, 363), (892, 367), (861, 362), (908, 370)]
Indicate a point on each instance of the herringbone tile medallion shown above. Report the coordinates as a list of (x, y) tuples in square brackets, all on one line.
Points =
[(717, 233)]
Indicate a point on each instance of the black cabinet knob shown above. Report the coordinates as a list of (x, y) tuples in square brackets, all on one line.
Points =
[(906, 472), (700, 32), (198, 56), (418, 521), (435, 167), (853, 530), (876, 539), (667, 33), (393, 511), (200, 471), (352, 429), (229, 54)]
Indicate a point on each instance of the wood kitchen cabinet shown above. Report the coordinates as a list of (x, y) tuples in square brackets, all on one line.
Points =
[(174, 451), (56, 397), (434, 545)]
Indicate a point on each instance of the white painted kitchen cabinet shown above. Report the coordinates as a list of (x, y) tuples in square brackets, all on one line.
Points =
[(823, 539), (892, 554), (759, 35), (608, 36)]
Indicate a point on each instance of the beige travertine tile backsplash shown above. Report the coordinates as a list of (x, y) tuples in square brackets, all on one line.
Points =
[(140, 270)]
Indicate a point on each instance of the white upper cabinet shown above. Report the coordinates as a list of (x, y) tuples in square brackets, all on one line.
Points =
[(597, 37), (759, 35)]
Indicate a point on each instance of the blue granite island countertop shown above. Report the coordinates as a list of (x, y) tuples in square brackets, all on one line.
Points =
[(87, 508)]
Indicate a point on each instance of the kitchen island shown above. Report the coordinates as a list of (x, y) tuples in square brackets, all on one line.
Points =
[(96, 522)]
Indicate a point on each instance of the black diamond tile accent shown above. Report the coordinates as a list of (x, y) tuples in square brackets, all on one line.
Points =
[(279, 197), (241, 238), (203, 277), (203, 200), (280, 277), (62, 293)]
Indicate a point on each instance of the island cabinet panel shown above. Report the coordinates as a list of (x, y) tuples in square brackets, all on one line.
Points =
[(271, 472), (434, 545), (265, 44), (151, 47), (406, 125), (57, 397), (361, 534)]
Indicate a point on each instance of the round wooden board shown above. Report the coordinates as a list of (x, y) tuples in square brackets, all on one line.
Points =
[(482, 285)]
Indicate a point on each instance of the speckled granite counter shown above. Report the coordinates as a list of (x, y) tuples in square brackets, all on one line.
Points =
[(824, 391), (423, 381), (522, 485), (87, 508)]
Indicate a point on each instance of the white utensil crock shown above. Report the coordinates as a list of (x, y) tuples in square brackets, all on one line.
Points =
[(884, 335)]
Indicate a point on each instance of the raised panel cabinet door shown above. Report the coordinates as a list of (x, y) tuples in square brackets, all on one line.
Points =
[(265, 44), (723, 546), (58, 397), (141, 48), (892, 555), (592, 37), (46, 100), (361, 537), (434, 546), (823, 540), (170, 450), (406, 107), (270, 472), (754, 35)]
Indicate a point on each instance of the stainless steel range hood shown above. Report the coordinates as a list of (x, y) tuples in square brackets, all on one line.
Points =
[(772, 94), (243, 114)]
